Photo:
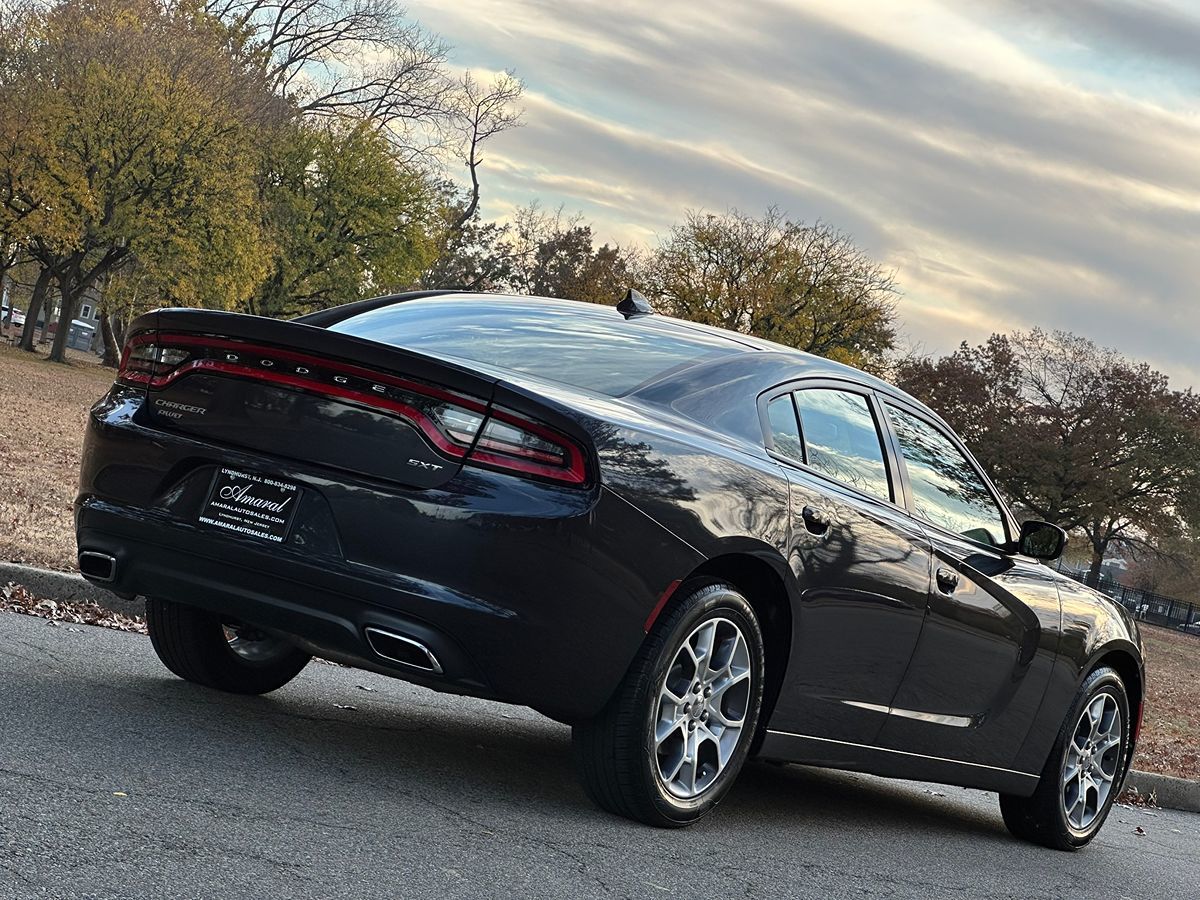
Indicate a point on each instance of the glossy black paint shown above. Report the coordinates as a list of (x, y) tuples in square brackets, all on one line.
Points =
[(894, 646)]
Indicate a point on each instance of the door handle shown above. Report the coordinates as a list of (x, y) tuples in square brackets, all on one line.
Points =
[(947, 580), (815, 520)]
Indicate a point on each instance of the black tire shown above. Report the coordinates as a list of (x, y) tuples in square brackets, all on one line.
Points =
[(1042, 818), (615, 753), (193, 644)]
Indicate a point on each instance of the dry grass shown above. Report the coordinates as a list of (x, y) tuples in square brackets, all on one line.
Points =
[(1170, 742), (41, 432), (43, 406)]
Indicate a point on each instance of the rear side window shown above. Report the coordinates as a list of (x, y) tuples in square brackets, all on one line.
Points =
[(842, 440), (785, 430), (947, 490), (573, 343)]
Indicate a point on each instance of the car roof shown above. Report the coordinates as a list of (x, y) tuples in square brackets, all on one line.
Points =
[(790, 361)]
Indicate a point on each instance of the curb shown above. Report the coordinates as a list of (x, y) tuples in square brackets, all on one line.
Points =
[(67, 586), (1170, 793)]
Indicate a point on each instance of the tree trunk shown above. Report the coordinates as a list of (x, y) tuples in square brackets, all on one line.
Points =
[(112, 353), (1098, 551), (70, 302), (36, 301)]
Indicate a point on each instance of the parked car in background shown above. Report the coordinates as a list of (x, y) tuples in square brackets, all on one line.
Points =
[(15, 317), (690, 545)]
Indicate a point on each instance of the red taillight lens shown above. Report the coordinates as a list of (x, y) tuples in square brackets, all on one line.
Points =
[(517, 444), (459, 426), (144, 360)]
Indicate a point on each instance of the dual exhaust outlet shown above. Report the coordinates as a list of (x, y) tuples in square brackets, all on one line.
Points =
[(402, 649), (97, 566)]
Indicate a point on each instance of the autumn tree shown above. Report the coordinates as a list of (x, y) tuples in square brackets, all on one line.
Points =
[(357, 59), (365, 61), (807, 286), (536, 252), (555, 256), (144, 147), (346, 217), (1074, 434), (473, 255)]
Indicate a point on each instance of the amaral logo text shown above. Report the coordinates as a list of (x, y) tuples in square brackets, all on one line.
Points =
[(240, 493)]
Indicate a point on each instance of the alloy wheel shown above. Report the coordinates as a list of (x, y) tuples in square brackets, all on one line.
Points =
[(1093, 759), (702, 705)]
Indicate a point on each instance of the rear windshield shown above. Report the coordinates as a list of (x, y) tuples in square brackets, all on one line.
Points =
[(572, 343)]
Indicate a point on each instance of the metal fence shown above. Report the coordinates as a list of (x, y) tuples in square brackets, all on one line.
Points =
[(1147, 606)]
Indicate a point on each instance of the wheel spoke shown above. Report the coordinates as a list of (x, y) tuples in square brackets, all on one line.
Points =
[(666, 729), (1107, 744), (729, 681), (705, 644)]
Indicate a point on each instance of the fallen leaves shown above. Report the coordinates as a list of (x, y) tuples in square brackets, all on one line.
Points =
[(16, 598), (1133, 798)]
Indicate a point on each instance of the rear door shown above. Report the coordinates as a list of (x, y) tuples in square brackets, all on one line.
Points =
[(977, 677), (862, 564)]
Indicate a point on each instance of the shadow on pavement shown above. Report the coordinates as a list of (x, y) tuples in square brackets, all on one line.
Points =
[(447, 750)]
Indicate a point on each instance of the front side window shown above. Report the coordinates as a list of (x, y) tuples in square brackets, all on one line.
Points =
[(947, 490), (785, 430), (842, 440)]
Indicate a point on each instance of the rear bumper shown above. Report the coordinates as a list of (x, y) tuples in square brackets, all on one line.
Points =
[(563, 651)]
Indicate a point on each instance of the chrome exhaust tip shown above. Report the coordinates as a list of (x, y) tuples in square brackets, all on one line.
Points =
[(402, 649), (97, 566)]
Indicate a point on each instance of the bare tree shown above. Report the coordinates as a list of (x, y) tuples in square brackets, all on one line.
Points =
[(357, 58), (482, 111)]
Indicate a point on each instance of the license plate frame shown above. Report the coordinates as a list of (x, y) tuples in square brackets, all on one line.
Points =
[(251, 504)]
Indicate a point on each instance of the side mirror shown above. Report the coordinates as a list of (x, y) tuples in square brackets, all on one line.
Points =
[(1041, 540)]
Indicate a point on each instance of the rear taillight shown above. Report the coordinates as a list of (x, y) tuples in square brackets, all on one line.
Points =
[(459, 426), (518, 444)]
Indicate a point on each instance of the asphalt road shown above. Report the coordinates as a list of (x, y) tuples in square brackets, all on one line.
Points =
[(117, 780)]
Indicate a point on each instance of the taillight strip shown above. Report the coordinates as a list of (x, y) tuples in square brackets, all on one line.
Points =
[(410, 414), (303, 359)]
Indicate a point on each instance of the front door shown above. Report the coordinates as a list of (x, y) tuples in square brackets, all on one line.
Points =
[(984, 657)]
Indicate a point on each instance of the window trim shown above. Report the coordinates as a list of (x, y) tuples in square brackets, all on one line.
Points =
[(1006, 516), (897, 489), (769, 432)]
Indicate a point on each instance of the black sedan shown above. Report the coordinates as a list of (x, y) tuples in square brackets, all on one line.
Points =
[(691, 545)]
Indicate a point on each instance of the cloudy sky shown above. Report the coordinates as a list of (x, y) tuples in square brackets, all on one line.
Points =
[(1017, 162)]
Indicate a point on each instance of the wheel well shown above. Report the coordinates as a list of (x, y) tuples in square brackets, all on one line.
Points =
[(1126, 666), (759, 583)]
